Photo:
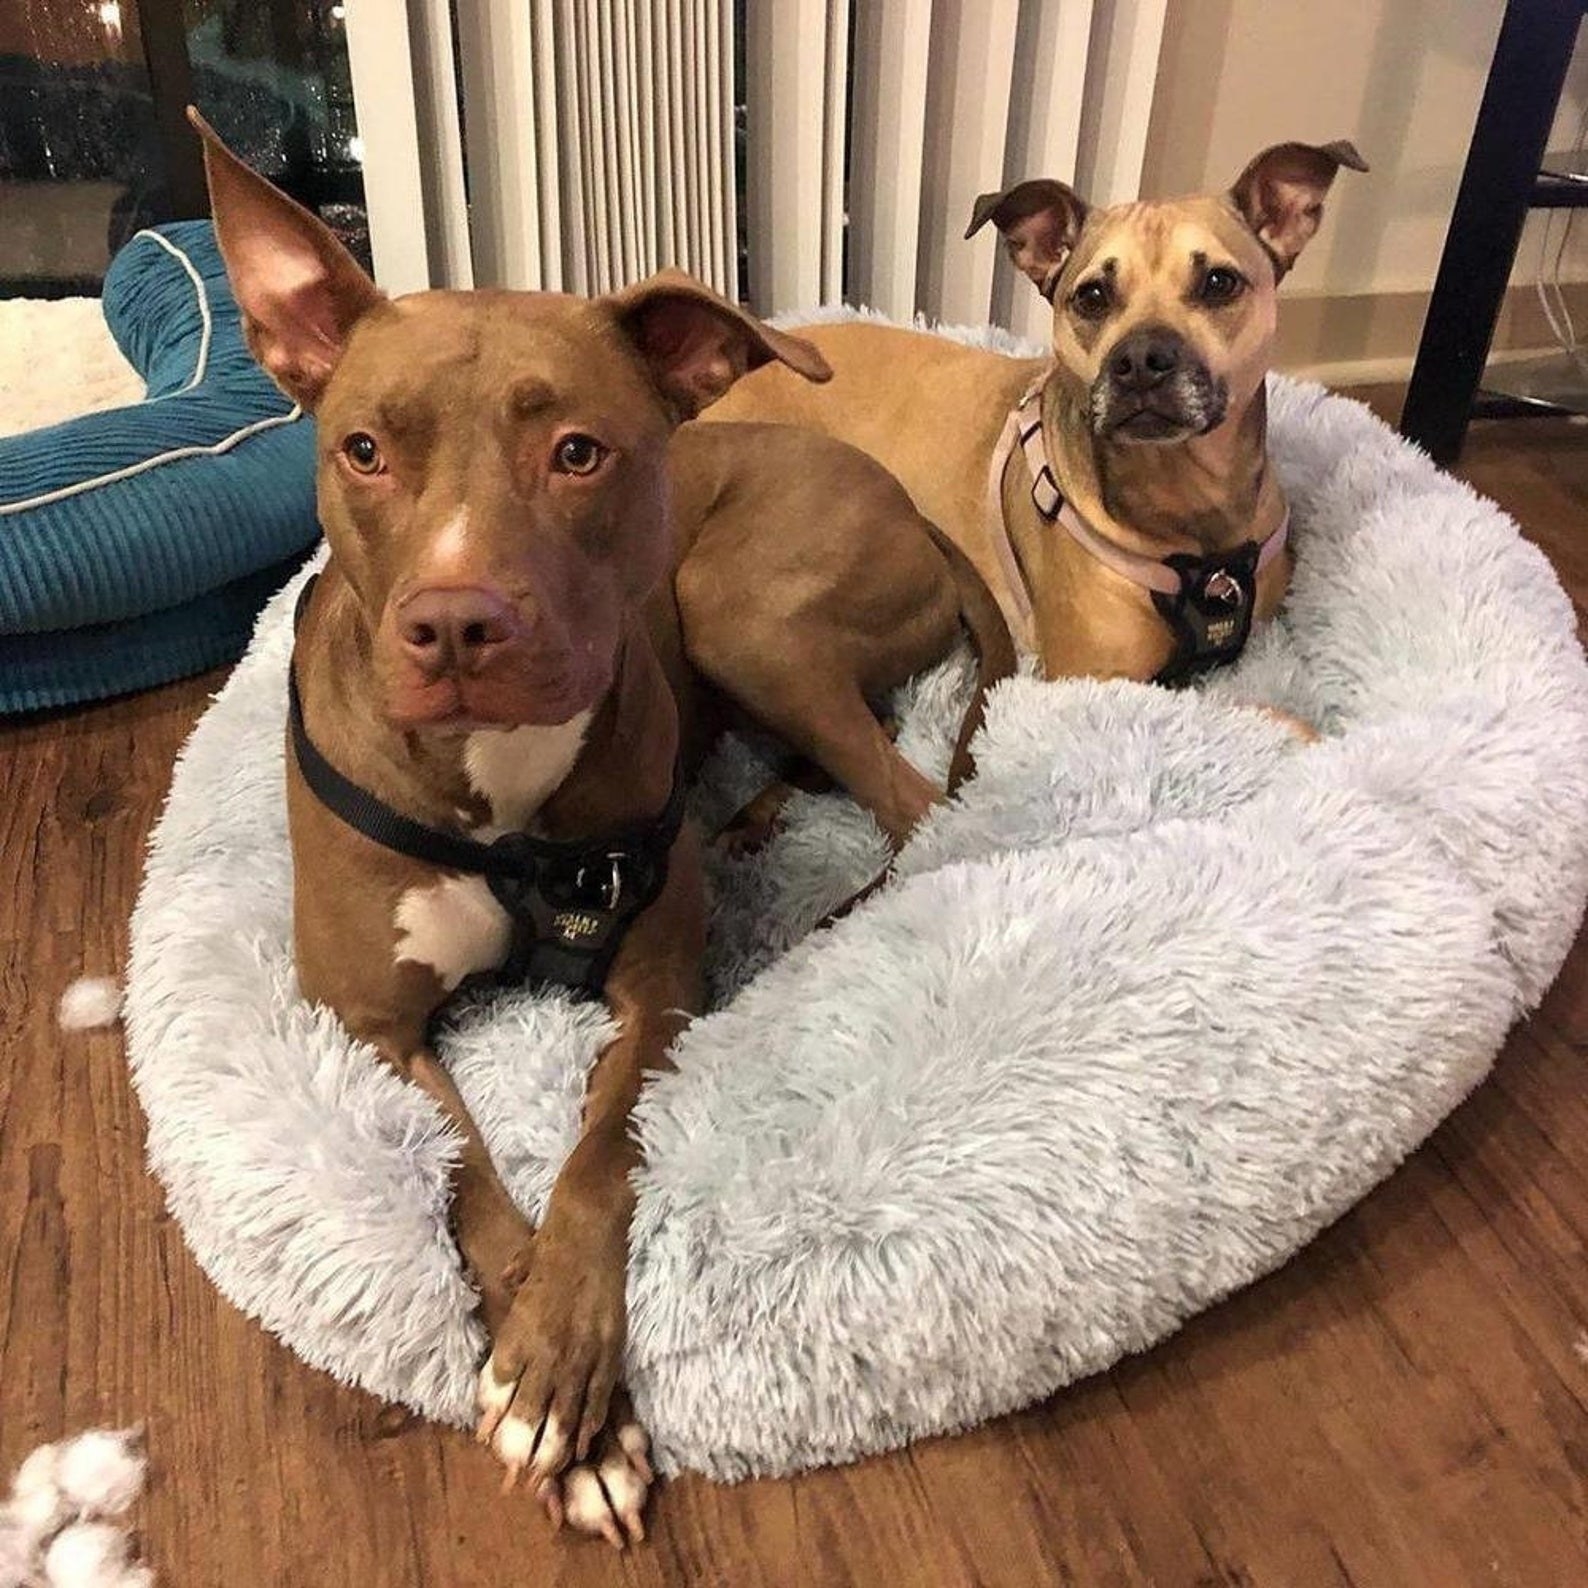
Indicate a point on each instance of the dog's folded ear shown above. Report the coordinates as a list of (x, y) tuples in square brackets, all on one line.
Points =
[(698, 344), (299, 289), (1281, 194), (1040, 221)]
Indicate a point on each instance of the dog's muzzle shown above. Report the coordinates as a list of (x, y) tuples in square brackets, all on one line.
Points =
[(1153, 387)]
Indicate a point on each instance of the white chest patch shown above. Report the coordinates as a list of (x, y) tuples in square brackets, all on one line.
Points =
[(454, 926), (518, 769)]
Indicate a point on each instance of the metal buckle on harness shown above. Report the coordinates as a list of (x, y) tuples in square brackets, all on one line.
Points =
[(1222, 586), (614, 887), (1045, 494)]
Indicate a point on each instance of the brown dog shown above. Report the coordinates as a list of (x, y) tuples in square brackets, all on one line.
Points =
[(495, 685), (1159, 535)]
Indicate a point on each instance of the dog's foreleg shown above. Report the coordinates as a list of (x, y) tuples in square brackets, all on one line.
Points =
[(557, 1362), (491, 1232)]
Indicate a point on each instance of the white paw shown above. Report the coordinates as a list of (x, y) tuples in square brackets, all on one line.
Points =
[(606, 1494), (543, 1448)]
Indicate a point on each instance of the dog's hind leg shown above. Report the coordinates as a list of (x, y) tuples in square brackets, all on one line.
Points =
[(748, 829), (819, 709), (1302, 729)]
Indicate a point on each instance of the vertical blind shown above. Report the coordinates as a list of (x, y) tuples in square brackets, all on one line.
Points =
[(581, 144)]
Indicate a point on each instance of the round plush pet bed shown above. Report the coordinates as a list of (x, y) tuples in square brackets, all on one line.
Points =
[(1160, 996), (138, 543)]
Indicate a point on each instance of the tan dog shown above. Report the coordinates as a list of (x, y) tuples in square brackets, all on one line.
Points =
[(495, 684), (1152, 417)]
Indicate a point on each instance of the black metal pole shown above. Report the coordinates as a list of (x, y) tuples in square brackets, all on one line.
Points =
[(171, 82), (1508, 143)]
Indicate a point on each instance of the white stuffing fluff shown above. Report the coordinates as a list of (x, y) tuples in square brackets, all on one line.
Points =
[(16, 1552), (51, 1529), (37, 1507), (1158, 998), (86, 1555), (89, 1002), (101, 1473)]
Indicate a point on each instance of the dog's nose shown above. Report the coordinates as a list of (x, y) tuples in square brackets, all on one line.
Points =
[(457, 630), (1144, 359)]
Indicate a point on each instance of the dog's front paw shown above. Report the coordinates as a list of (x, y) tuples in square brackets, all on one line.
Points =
[(545, 1392)]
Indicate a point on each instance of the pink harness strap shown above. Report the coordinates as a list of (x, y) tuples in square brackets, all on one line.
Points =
[(998, 533), (1023, 428)]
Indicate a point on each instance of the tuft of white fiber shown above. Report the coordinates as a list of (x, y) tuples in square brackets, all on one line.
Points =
[(51, 1532), (101, 1472), (89, 1002), (16, 1554), (87, 1555), (37, 1506)]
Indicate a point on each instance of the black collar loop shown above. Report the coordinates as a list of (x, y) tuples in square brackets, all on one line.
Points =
[(571, 900)]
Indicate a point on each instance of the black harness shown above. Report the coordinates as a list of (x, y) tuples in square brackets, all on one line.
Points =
[(570, 903), (1210, 616)]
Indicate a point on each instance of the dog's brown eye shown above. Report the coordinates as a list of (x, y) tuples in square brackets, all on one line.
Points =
[(579, 454), (362, 453), (1092, 300), (1220, 285)]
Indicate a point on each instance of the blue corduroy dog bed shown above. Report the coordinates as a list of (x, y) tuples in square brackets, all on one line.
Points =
[(138, 544)]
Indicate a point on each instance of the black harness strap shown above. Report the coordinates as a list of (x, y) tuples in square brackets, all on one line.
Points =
[(570, 902)]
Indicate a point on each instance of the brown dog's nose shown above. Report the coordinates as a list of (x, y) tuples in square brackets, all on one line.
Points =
[(1144, 359), (455, 630)]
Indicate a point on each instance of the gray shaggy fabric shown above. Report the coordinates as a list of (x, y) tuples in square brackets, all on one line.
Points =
[(1156, 1000)]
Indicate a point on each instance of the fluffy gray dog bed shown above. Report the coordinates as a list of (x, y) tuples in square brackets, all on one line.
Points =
[(1157, 999)]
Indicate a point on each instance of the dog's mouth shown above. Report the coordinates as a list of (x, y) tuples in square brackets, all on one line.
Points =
[(1190, 404), (1152, 424), (519, 697)]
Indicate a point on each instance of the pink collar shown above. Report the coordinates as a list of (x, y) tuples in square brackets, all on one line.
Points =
[(1023, 428)]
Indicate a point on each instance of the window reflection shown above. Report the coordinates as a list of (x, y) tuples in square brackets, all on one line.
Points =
[(82, 161)]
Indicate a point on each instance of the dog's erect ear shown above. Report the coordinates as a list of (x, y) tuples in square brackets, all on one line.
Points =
[(1281, 193), (299, 289), (698, 344), (1040, 221)]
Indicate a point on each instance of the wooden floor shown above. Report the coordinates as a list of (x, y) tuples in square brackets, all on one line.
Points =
[(1404, 1404)]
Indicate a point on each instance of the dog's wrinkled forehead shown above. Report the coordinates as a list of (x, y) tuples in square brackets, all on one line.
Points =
[(474, 363), (1167, 243)]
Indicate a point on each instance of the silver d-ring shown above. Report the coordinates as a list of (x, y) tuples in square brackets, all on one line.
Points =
[(1222, 586)]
